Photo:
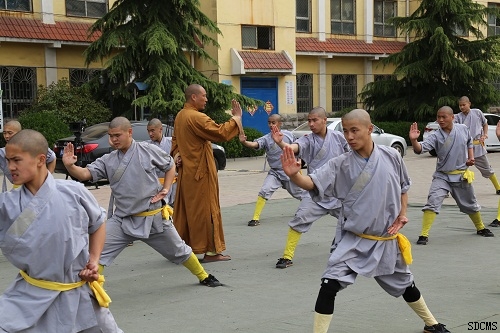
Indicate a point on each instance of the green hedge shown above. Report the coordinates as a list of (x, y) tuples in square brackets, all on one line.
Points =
[(235, 149), (401, 128)]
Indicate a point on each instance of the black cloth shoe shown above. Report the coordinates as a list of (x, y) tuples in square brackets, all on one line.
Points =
[(422, 240), (495, 223), (211, 281), (438, 328), (485, 233), (284, 263), (498, 191), (253, 223)]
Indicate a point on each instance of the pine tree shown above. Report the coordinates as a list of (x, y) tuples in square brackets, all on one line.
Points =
[(440, 64), (146, 40)]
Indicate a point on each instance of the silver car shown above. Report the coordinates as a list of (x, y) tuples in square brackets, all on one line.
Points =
[(491, 144), (378, 134)]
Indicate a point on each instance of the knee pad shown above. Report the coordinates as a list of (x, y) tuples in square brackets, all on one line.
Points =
[(325, 302), (411, 294)]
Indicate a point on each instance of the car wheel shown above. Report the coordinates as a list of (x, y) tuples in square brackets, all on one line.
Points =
[(399, 148), (216, 164), (433, 152)]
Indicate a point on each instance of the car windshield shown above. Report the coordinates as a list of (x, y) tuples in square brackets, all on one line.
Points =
[(305, 126), (95, 132)]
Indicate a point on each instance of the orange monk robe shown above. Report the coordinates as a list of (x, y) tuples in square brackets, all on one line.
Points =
[(197, 215)]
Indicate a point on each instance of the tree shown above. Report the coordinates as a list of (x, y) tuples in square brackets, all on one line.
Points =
[(71, 104), (440, 64), (146, 41)]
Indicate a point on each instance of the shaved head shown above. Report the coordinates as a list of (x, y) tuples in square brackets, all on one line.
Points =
[(275, 117), (155, 122), (464, 99), (120, 122), (30, 141), (358, 114), (192, 89), (14, 125), (319, 111), (446, 109)]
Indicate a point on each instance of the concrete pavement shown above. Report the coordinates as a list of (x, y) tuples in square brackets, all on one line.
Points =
[(457, 272)]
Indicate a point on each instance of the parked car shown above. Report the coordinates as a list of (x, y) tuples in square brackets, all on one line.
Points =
[(491, 144), (96, 144), (378, 134)]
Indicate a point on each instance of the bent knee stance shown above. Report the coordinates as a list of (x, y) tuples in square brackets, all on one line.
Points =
[(325, 302), (411, 294)]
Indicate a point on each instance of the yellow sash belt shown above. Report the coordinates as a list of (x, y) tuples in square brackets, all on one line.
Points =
[(403, 243), (166, 212), (163, 180), (467, 174), (96, 287), (478, 142)]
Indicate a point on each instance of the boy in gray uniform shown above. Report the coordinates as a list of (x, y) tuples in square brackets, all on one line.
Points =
[(453, 146), (137, 195), (367, 241), (275, 178), (156, 137), (53, 231), (478, 127), (315, 149)]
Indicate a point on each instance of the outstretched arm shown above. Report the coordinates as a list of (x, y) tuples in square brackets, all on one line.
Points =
[(69, 159), (278, 138), (414, 134), (291, 166), (248, 144)]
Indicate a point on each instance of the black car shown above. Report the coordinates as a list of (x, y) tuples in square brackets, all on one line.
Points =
[(95, 143)]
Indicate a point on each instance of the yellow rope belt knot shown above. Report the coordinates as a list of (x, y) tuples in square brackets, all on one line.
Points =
[(467, 174), (478, 142), (162, 180), (96, 286), (166, 212), (403, 243)]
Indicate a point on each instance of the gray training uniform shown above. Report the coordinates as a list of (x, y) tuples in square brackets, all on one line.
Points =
[(166, 145), (316, 151), (451, 150), (276, 177), (370, 192), (47, 236), (475, 121), (133, 180)]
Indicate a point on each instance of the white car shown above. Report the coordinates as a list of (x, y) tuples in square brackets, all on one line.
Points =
[(492, 143), (378, 134)]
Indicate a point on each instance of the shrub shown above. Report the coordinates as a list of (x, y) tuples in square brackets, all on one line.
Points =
[(72, 104), (235, 149), (48, 123), (401, 128)]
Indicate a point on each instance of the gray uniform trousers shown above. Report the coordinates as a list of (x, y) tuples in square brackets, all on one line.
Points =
[(307, 213), (483, 165), (462, 192), (167, 243), (272, 182)]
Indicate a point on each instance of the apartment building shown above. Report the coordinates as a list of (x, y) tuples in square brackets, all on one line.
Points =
[(292, 54)]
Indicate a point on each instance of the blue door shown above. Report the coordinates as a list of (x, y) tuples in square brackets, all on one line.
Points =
[(265, 89)]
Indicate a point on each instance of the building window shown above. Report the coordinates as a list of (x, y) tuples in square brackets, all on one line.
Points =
[(303, 15), (343, 16), (493, 22), (86, 8), (256, 37), (304, 92), (383, 11), (344, 92), (17, 5), (78, 77), (18, 89)]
